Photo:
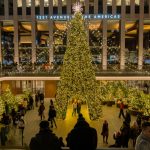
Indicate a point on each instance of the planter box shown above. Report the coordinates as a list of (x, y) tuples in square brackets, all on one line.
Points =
[(103, 102), (135, 112), (146, 118), (110, 103)]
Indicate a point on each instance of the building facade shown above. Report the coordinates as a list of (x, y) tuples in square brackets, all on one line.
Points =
[(35, 32)]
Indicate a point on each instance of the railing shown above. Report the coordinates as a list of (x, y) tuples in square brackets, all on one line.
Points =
[(63, 148), (57, 73)]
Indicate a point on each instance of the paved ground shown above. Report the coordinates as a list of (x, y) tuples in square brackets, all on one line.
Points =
[(32, 121)]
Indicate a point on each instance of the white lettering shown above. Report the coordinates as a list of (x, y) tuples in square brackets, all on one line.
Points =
[(64, 17)]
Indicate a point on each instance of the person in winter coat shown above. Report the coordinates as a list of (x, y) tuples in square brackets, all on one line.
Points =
[(41, 111), (45, 139), (127, 117), (121, 106), (143, 140), (118, 139), (82, 136), (52, 115), (105, 131), (134, 132), (125, 132)]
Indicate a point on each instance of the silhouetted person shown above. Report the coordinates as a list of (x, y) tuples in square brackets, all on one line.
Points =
[(36, 99), (78, 107), (41, 111), (41, 96), (134, 132), (61, 142), (139, 121), (82, 136), (125, 133), (121, 106), (143, 140), (45, 139), (31, 102), (52, 115), (127, 117), (105, 131), (118, 140)]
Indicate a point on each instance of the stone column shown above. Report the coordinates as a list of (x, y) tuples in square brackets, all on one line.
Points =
[(42, 7), (50, 7), (51, 48), (122, 36), (140, 38), (50, 24), (86, 6), (16, 41), (132, 8), (6, 11), (68, 7), (104, 40), (95, 6), (24, 9), (59, 7), (33, 31), (0, 43), (113, 7), (149, 8)]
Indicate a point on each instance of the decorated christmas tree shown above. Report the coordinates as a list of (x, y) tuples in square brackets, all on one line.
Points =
[(78, 79), (8, 99), (2, 107)]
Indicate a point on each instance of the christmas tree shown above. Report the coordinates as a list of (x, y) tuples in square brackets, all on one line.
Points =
[(2, 107), (78, 79), (8, 99)]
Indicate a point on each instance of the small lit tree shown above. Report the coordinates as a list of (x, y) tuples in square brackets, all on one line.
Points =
[(2, 107), (8, 98)]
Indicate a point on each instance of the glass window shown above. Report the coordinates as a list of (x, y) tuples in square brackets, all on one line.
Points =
[(1, 7), (19, 3), (146, 7), (127, 2), (109, 2), (10, 3), (109, 6), (28, 3), (37, 3), (55, 2), (46, 3), (137, 2), (100, 6), (128, 6), (64, 2)]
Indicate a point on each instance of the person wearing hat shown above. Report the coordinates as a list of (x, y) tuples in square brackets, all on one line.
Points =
[(82, 136), (45, 139)]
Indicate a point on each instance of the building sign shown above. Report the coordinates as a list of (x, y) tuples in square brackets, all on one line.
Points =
[(67, 17)]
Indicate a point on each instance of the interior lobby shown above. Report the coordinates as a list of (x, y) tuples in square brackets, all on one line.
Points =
[(33, 41)]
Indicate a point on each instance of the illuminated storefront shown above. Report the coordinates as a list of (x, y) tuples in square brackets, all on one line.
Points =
[(118, 32)]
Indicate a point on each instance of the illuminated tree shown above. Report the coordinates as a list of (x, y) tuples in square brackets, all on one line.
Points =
[(78, 76), (8, 98), (2, 107)]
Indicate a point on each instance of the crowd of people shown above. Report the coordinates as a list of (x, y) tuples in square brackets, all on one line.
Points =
[(82, 136)]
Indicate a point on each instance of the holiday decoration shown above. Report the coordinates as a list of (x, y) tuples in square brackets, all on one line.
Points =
[(8, 99), (2, 107), (77, 78)]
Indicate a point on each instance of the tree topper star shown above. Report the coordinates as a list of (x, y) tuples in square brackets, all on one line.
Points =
[(77, 7)]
